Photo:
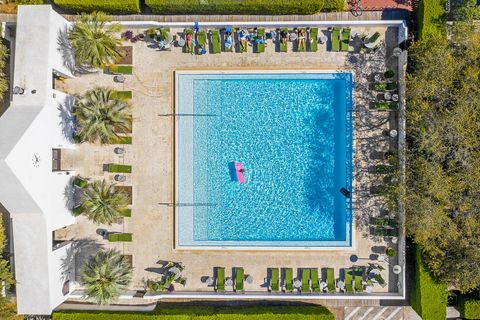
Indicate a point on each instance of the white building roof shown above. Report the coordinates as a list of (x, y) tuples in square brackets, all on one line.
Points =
[(33, 194)]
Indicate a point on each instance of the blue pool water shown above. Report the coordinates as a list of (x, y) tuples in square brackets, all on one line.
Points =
[(293, 134)]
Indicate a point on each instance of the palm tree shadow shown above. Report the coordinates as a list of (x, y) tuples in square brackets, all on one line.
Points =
[(75, 256), (68, 54), (67, 118)]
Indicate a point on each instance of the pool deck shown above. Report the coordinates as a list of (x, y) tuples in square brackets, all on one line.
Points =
[(152, 158)]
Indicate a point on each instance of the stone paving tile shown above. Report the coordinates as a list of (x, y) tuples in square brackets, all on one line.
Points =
[(151, 156)]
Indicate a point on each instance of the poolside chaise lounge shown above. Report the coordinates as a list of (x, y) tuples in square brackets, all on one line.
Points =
[(123, 140), (345, 39), (330, 280), (122, 95), (288, 284), (220, 279), (192, 47), (215, 39), (201, 41), (274, 280), (314, 279), (305, 281), (165, 32), (260, 41), (231, 31), (358, 277), (239, 277), (116, 69), (384, 105), (126, 212), (120, 237), (282, 46), (80, 182), (119, 168), (336, 39), (313, 39), (384, 221), (348, 281), (304, 48)]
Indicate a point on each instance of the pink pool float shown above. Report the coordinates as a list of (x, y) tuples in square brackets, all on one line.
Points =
[(239, 170)]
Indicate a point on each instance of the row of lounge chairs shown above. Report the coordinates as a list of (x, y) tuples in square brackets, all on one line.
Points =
[(340, 39), (238, 284)]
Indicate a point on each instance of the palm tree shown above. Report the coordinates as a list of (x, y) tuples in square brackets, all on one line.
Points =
[(102, 203), (95, 42), (105, 275), (100, 116)]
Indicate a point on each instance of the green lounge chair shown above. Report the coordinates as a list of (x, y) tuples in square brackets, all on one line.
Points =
[(122, 95), (336, 39), (240, 48), (392, 232), (201, 41), (215, 38), (220, 279), (225, 40), (126, 213), (330, 280), (260, 47), (120, 237), (80, 182), (314, 278), (288, 279), (119, 168), (116, 69), (123, 140), (164, 32), (345, 39), (348, 281), (282, 46), (239, 277), (274, 280), (358, 277), (384, 105), (313, 39), (298, 41), (192, 47), (305, 281), (77, 211)]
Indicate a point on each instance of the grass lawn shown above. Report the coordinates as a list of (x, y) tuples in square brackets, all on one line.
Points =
[(172, 311)]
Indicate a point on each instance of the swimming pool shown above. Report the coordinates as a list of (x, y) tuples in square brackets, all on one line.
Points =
[(291, 130)]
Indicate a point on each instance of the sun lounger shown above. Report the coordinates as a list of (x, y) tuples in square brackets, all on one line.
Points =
[(313, 39), (220, 279), (314, 279), (192, 47), (122, 95), (229, 30), (119, 168), (126, 213), (116, 69), (120, 237), (79, 182), (336, 39), (330, 280), (383, 105), (304, 48), (348, 281), (77, 211), (123, 140), (305, 281), (358, 277), (215, 38), (274, 280), (165, 32), (345, 39), (288, 280), (260, 40), (239, 277), (282, 46), (201, 41)]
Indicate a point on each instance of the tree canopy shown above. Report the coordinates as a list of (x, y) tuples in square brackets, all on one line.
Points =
[(443, 167)]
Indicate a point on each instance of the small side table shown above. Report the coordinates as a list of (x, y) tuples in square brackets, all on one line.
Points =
[(181, 42), (209, 281), (120, 78), (323, 39), (297, 284), (397, 269)]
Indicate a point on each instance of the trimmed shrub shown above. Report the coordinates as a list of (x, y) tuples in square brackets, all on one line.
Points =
[(243, 6), (431, 18), (469, 308), (189, 312), (107, 6), (429, 297)]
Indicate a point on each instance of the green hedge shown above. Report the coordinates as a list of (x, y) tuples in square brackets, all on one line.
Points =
[(431, 18), (429, 297), (244, 6), (303, 312), (108, 6), (469, 308)]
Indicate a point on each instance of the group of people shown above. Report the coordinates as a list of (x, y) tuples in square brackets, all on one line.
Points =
[(244, 36)]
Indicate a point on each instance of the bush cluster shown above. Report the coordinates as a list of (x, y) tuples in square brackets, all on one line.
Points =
[(469, 308), (243, 6), (431, 16), (429, 297), (108, 6), (188, 312)]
